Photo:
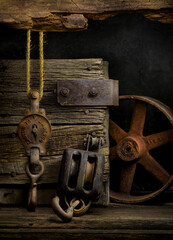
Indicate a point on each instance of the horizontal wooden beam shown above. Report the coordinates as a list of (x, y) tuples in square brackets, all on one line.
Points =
[(72, 15), (13, 158), (13, 76), (117, 221)]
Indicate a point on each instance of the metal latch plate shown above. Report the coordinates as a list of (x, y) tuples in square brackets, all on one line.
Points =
[(88, 92)]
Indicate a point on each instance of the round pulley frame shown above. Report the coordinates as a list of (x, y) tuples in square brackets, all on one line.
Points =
[(34, 130), (133, 148)]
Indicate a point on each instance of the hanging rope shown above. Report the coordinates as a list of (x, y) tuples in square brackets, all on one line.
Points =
[(41, 64), (28, 65)]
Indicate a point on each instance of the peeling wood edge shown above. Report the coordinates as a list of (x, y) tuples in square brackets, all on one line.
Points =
[(79, 22), (52, 23), (162, 15)]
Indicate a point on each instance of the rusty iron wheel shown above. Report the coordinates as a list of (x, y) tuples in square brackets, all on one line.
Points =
[(132, 148)]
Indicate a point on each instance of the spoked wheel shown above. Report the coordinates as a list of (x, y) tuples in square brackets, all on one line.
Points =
[(133, 149)]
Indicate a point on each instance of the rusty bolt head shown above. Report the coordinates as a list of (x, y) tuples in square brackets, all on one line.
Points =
[(64, 92), (93, 92)]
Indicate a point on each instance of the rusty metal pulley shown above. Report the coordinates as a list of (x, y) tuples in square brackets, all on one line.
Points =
[(80, 182), (133, 149), (34, 131)]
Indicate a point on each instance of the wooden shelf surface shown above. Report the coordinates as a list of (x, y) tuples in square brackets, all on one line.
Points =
[(118, 221)]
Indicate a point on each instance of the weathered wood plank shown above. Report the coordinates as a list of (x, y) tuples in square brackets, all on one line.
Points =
[(116, 216), (78, 6), (14, 104), (13, 72), (85, 234), (13, 97), (118, 221), (161, 16), (13, 159), (18, 195), (71, 15)]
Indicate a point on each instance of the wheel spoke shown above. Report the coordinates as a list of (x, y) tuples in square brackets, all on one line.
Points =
[(138, 118), (126, 178), (152, 166), (113, 154), (158, 139), (116, 132)]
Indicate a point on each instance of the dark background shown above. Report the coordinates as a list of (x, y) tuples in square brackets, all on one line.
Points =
[(140, 56)]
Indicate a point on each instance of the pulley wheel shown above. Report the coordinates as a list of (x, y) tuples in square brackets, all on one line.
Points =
[(133, 152)]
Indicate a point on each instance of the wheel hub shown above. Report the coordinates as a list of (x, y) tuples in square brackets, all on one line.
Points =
[(130, 148)]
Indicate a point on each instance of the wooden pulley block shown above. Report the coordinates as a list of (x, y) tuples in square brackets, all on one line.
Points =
[(80, 182), (134, 156)]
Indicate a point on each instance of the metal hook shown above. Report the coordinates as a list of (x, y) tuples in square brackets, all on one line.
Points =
[(65, 215), (32, 199)]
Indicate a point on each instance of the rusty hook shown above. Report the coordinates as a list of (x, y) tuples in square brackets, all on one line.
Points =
[(65, 215), (32, 199)]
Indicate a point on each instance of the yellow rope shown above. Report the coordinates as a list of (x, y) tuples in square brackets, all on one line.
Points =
[(28, 50), (41, 64), (28, 65)]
